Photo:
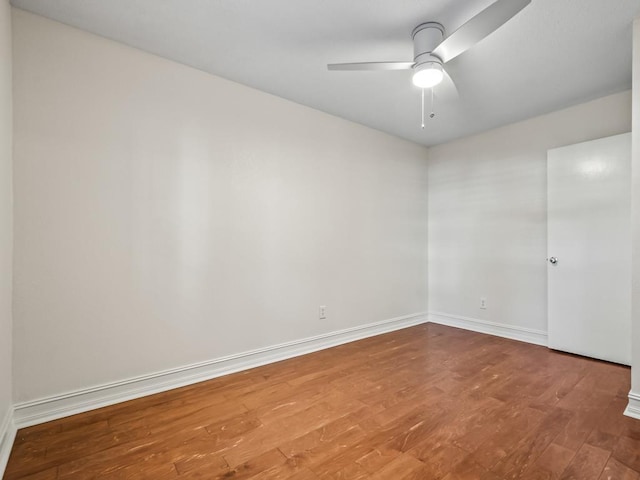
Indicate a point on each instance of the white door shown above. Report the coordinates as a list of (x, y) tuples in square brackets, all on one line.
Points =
[(589, 248)]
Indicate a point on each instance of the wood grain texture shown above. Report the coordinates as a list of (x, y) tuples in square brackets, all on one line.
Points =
[(427, 402)]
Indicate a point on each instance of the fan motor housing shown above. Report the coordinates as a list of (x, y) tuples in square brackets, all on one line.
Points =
[(426, 37)]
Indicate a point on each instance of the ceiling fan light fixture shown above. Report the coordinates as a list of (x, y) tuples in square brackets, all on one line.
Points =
[(428, 74)]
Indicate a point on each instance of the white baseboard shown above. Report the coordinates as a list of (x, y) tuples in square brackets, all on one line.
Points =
[(7, 436), (633, 408), (71, 403), (528, 335)]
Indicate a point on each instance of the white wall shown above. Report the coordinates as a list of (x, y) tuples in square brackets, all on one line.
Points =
[(6, 138), (487, 213), (165, 216), (635, 215)]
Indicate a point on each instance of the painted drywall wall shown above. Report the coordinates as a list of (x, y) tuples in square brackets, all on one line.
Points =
[(165, 216), (6, 235), (635, 215), (487, 213)]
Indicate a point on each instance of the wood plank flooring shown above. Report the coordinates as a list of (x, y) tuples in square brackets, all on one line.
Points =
[(428, 402)]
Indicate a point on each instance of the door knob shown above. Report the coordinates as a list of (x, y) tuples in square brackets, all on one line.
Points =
[(553, 260)]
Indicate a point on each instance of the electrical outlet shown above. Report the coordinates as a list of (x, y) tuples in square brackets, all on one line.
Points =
[(483, 303), (322, 312)]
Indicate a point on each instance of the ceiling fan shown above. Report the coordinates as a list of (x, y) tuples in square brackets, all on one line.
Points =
[(431, 51)]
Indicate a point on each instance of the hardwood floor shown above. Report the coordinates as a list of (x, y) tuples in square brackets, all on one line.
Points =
[(428, 402)]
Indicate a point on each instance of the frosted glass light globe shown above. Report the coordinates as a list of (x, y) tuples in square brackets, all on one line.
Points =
[(428, 75)]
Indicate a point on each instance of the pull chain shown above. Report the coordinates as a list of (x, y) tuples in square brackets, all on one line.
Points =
[(432, 107), (432, 114), (423, 108)]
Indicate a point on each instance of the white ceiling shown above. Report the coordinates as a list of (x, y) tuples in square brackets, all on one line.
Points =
[(553, 54)]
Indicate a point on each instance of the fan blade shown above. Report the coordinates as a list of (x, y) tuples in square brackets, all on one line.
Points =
[(374, 66), (479, 27), (447, 90)]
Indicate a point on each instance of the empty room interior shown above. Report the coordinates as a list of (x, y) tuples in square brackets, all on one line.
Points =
[(320, 240)]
